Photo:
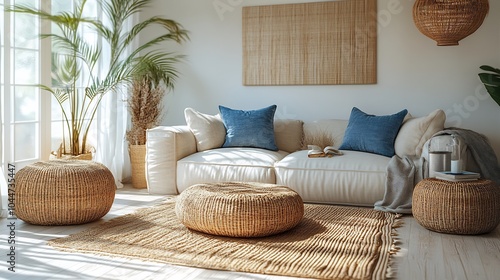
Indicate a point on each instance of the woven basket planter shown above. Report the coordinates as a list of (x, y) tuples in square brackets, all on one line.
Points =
[(63, 192), (449, 21), (138, 166), (239, 209), (467, 207), (86, 156)]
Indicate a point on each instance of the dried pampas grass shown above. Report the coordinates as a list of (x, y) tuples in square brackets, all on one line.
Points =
[(145, 106), (320, 138)]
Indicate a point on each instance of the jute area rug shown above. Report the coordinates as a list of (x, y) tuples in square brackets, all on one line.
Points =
[(331, 242)]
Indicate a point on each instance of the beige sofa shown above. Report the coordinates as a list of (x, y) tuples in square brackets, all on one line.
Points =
[(180, 156)]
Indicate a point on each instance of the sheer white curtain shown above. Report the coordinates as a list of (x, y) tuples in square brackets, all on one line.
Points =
[(3, 183), (111, 146), (112, 119)]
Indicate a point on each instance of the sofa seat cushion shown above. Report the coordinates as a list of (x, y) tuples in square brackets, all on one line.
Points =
[(228, 164), (356, 178)]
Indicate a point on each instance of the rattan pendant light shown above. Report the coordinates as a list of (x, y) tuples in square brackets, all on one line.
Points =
[(449, 21)]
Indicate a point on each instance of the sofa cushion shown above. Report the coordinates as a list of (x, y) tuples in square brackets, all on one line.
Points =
[(249, 128), (228, 164), (289, 134), (208, 130), (355, 178), (416, 131), (373, 134)]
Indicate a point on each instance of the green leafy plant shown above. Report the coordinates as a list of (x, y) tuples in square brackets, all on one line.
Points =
[(81, 72), (491, 81)]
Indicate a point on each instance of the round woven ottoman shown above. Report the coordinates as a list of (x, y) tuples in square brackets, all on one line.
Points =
[(63, 192), (465, 207), (239, 209)]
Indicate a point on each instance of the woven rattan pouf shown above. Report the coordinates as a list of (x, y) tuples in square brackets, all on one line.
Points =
[(63, 192), (466, 207), (239, 209)]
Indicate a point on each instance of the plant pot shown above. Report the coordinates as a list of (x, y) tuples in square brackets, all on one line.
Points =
[(86, 156), (138, 165)]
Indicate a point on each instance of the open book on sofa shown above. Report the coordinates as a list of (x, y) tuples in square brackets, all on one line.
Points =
[(316, 151)]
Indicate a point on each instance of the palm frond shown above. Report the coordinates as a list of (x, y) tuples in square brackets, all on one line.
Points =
[(175, 29), (159, 67), (62, 43), (76, 60), (93, 91), (148, 45), (30, 10), (89, 54), (118, 10), (64, 70)]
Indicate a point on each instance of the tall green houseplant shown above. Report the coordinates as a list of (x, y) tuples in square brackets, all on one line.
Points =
[(491, 80), (84, 72)]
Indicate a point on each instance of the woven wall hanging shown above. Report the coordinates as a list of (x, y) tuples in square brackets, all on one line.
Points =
[(449, 21), (319, 43)]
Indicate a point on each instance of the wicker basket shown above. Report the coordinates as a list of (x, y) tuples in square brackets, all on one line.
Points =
[(467, 207), (86, 156), (239, 209), (138, 166), (63, 192), (449, 21)]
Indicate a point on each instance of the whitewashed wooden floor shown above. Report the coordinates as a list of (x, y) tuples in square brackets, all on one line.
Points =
[(423, 255)]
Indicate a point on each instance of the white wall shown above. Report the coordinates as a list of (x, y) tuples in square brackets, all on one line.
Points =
[(413, 72)]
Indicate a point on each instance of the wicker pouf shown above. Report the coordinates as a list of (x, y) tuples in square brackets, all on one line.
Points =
[(466, 207), (239, 209), (63, 192)]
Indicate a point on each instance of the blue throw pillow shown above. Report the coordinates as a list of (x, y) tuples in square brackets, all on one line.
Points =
[(253, 128), (373, 134)]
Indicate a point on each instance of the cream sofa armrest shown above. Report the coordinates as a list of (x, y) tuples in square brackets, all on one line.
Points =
[(165, 145)]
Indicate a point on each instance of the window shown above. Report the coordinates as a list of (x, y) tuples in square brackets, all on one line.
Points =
[(21, 99), (31, 119)]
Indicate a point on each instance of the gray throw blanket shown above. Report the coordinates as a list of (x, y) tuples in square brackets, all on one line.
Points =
[(402, 175), (481, 151)]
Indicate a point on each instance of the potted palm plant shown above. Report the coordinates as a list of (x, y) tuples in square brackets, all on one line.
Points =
[(83, 72), (491, 80), (145, 107)]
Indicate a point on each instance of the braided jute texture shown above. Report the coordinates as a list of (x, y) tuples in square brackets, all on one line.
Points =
[(239, 209), (330, 242), (466, 207), (63, 192)]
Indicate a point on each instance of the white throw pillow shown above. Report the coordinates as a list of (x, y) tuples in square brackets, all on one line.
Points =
[(416, 131), (208, 130)]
